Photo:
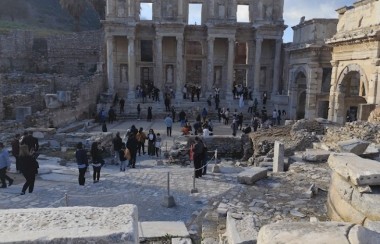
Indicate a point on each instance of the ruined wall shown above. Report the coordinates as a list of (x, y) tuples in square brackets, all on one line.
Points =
[(73, 53), (314, 31), (28, 90)]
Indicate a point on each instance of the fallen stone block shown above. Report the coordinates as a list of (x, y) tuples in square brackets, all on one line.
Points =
[(240, 228), (158, 229), (181, 240), (354, 146), (316, 155), (304, 232), (252, 175), (358, 170), (70, 225), (372, 225)]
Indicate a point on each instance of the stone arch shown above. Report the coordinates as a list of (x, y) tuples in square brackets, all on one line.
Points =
[(351, 89), (299, 91)]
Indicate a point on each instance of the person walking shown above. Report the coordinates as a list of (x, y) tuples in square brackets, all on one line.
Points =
[(274, 117), (157, 144), (132, 145), (121, 105), (141, 137), (138, 111), (198, 153), (169, 124), (31, 142), (151, 140), (5, 165), (122, 157), (16, 150), (204, 159), (29, 168), (97, 160), (82, 161), (117, 143), (150, 115)]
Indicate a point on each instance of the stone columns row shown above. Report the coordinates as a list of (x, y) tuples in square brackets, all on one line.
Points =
[(256, 84), (277, 68), (230, 67), (158, 70), (179, 68), (210, 63), (131, 67), (110, 71)]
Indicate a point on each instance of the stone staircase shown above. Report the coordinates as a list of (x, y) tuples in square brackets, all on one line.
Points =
[(192, 109)]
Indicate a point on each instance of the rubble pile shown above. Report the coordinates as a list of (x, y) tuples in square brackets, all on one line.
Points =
[(361, 130), (296, 137), (374, 117), (354, 191)]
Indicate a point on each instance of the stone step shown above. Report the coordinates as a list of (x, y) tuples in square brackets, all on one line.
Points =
[(210, 233)]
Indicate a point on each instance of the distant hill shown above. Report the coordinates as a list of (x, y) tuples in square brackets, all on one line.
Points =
[(43, 16)]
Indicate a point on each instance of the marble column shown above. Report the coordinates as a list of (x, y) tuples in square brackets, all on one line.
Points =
[(251, 67), (158, 61), (110, 8), (131, 7), (334, 77), (210, 64), (110, 71), (211, 8), (256, 84), (131, 67), (276, 68), (180, 9), (230, 68), (179, 68)]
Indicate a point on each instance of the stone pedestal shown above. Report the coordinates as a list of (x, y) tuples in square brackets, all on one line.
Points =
[(278, 160)]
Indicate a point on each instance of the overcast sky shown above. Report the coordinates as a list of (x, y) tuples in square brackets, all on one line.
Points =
[(293, 11)]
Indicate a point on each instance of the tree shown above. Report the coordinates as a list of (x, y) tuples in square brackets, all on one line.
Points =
[(100, 7), (75, 8)]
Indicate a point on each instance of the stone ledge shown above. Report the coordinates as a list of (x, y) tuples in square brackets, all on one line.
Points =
[(70, 225), (358, 170)]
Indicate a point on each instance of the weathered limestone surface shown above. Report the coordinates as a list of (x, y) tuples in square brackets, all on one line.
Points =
[(319, 232), (278, 162), (252, 175), (316, 155), (300, 233), (240, 228), (355, 146), (161, 228), (358, 170), (73, 224)]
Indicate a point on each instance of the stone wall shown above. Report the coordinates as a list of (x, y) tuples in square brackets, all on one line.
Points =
[(73, 53), (28, 90)]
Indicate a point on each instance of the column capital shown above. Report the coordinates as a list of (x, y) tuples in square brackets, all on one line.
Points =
[(158, 38), (131, 38), (334, 63), (259, 39), (179, 38), (109, 37), (231, 40), (210, 39)]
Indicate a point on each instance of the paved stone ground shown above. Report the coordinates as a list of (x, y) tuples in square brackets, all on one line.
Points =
[(279, 197)]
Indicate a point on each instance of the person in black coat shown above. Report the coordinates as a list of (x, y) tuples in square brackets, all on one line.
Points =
[(29, 168), (132, 145), (97, 160), (150, 115), (82, 161), (198, 157)]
